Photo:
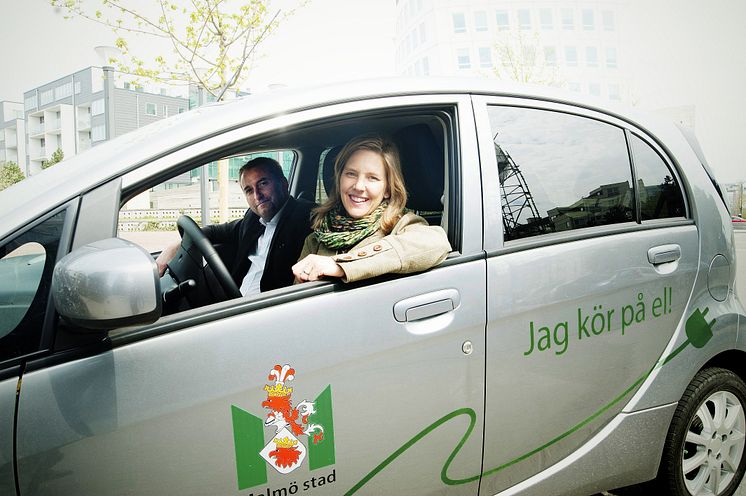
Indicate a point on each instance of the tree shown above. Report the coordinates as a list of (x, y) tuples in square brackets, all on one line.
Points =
[(212, 41), (521, 58), (10, 174), (57, 156)]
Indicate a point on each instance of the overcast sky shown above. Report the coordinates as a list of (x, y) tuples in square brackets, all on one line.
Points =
[(677, 52)]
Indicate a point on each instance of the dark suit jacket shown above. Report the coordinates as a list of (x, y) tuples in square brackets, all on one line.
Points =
[(287, 243)]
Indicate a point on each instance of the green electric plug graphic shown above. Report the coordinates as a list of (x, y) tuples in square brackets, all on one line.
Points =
[(698, 330), (698, 333)]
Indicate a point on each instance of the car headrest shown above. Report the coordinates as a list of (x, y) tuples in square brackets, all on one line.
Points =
[(423, 167)]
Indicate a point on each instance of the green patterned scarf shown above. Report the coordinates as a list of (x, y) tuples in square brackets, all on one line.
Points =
[(340, 231)]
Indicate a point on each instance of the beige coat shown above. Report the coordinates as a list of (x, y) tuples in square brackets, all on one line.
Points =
[(412, 246)]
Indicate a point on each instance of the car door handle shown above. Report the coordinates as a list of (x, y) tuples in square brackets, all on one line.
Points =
[(665, 253), (427, 305)]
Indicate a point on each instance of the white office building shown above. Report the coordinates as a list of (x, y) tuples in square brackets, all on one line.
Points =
[(85, 108), (12, 134), (567, 43)]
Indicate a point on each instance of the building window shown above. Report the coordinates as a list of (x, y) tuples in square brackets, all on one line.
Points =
[(77, 88), (182, 110), (614, 92), (550, 56), (29, 103), (591, 56), (571, 56), (422, 32), (568, 19), (462, 58), (545, 18), (46, 97), (574, 87), (611, 58), (165, 111), (524, 19), (607, 17), (480, 21), (150, 109), (98, 133), (485, 57), (588, 22), (426, 66), (97, 107), (594, 89), (459, 23), (63, 91), (503, 23)]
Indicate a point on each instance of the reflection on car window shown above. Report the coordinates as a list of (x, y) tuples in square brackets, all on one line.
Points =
[(559, 172), (149, 219), (660, 194), (20, 271), (26, 271)]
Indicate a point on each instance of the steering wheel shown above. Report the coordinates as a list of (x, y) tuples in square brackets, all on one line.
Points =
[(190, 231)]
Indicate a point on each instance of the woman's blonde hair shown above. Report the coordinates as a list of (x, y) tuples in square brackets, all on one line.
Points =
[(395, 189)]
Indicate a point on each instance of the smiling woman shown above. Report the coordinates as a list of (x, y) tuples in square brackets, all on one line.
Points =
[(363, 229)]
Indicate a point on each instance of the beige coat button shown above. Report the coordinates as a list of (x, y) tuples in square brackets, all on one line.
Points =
[(377, 248), (361, 253)]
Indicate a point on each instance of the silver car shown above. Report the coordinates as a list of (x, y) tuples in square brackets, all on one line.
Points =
[(583, 334)]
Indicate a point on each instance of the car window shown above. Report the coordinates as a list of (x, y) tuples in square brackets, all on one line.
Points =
[(559, 172), (149, 219), (26, 271), (660, 193)]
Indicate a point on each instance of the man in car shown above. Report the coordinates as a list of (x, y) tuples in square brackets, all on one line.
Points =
[(270, 236)]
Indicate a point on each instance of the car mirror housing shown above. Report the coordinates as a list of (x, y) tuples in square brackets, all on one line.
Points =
[(107, 284)]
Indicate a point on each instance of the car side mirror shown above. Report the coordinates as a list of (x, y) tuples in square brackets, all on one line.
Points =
[(107, 284)]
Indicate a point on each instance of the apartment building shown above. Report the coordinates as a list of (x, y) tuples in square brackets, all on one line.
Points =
[(83, 109), (571, 44), (12, 134)]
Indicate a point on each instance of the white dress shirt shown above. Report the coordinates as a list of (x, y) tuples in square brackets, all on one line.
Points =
[(258, 257)]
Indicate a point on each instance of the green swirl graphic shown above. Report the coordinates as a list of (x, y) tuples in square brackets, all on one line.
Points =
[(698, 332)]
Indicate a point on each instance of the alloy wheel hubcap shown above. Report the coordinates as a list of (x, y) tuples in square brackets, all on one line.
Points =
[(714, 444)]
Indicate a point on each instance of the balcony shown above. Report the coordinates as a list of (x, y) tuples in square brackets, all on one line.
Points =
[(53, 126), (35, 129), (38, 154)]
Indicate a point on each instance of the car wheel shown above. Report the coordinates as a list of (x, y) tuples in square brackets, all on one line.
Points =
[(704, 450)]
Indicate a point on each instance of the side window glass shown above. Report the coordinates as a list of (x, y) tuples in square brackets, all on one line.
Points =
[(660, 194), (559, 172), (149, 219), (26, 271)]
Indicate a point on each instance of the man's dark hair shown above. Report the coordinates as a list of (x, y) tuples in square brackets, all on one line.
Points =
[(270, 164)]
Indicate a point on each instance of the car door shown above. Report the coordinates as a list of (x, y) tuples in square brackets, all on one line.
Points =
[(587, 277), (390, 373)]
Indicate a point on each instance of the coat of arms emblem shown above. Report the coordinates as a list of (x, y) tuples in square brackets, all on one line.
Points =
[(285, 452), (278, 439)]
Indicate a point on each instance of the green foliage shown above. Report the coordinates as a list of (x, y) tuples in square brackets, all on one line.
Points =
[(10, 174), (57, 156), (212, 41)]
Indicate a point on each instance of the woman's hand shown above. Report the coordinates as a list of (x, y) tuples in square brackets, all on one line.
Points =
[(314, 267)]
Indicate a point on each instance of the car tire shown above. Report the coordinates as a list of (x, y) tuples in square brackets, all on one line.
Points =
[(704, 449)]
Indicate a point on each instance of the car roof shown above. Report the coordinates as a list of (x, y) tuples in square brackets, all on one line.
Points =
[(42, 192)]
